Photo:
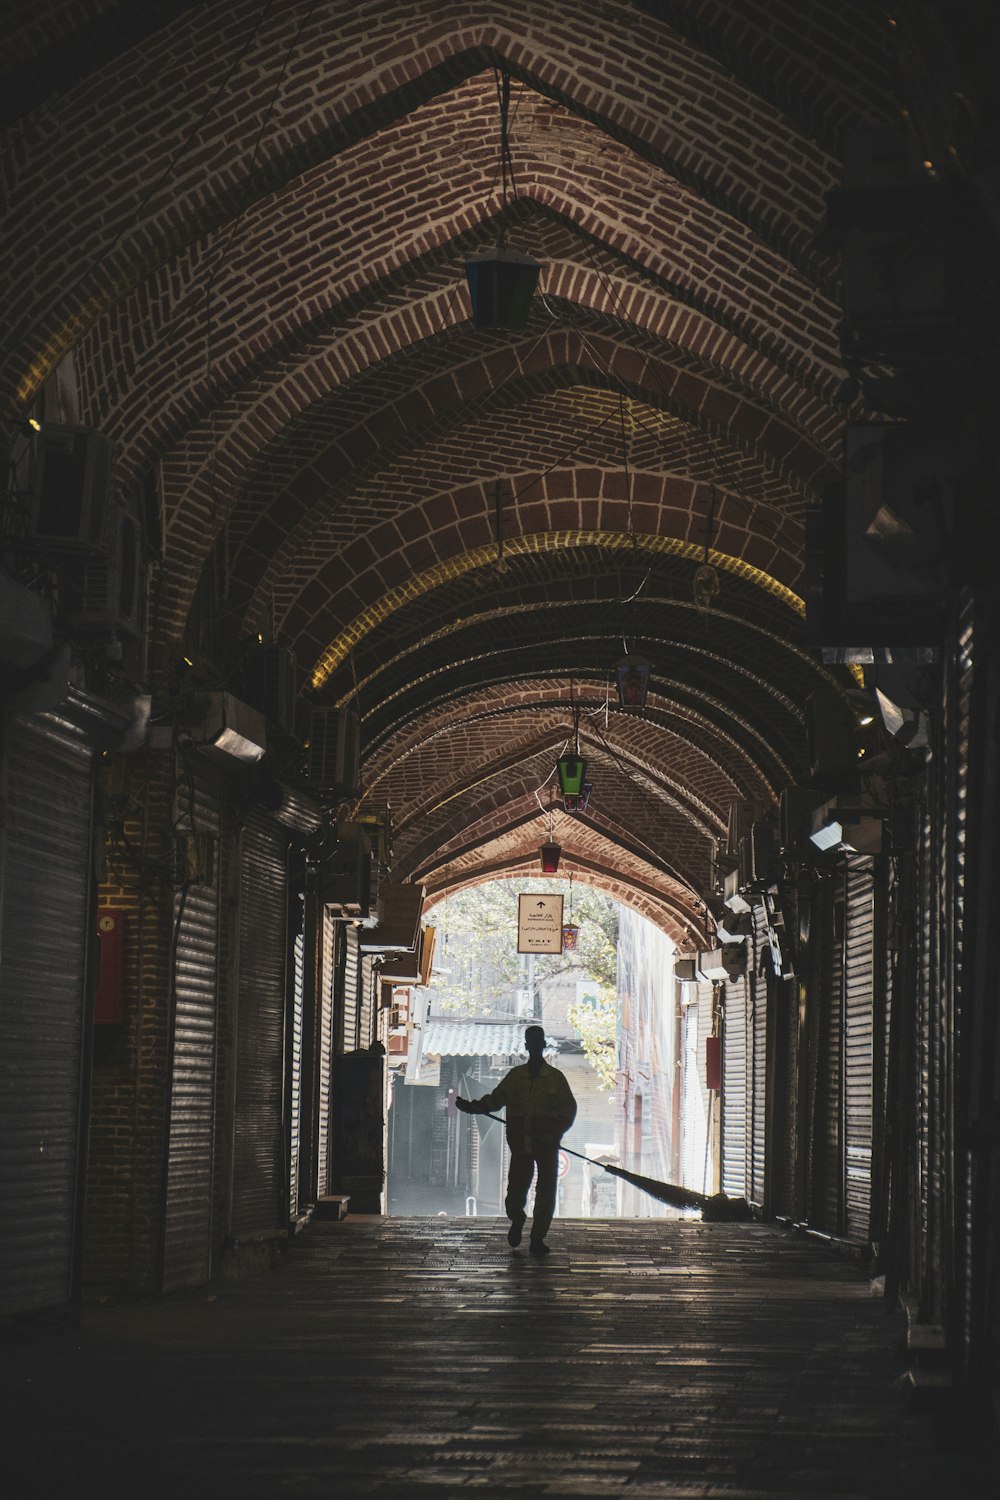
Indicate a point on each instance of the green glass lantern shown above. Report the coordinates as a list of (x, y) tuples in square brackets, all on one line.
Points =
[(571, 769)]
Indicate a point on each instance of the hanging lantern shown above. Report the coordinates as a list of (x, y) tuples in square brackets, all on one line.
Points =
[(572, 769), (632, 681), (550, 858), (581, 801), (570, 935), (501, 284)]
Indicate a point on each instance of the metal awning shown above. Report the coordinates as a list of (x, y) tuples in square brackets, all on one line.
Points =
[(468, 1038)]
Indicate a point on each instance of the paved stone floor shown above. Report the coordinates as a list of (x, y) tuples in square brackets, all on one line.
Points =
[(418, 1356)]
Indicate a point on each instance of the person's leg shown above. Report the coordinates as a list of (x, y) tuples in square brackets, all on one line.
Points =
[(522, 1167), (545, 1194)]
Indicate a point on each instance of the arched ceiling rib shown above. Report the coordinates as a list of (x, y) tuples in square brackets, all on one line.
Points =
[(249, 222)]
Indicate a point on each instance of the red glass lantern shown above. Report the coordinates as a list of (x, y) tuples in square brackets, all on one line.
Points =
[(550, 858)]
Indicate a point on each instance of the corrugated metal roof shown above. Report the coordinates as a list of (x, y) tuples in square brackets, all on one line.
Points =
[(446, 1038)]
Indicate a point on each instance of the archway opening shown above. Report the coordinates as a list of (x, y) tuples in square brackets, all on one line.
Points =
[(607, 999)]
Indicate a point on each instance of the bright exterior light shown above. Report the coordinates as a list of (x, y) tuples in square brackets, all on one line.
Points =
[(571, 769), (550, 858)]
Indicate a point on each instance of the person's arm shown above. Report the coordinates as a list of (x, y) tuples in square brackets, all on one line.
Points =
[(568, 1108), (486, 1105)]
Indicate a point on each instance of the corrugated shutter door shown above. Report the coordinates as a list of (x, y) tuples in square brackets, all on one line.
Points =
[(45, 921), (327, 984), (734, 1092), (831, 1136), (187, 1243), (858, 996), (758, 989), (350, 1012), (258, 1123), (366, 1014), (295, 1074)]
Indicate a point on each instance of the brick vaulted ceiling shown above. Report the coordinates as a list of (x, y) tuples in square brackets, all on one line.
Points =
[(249, 223)]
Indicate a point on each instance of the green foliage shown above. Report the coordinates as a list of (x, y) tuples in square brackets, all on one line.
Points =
[(479, 967), (597, 1024)]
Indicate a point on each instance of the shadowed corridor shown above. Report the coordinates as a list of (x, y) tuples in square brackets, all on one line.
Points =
[(399, 1357)]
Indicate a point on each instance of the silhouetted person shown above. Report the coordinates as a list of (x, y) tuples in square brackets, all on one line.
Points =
[(540, 1109)]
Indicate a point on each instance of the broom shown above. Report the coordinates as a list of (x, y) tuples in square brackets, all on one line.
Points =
[(715, 1208)]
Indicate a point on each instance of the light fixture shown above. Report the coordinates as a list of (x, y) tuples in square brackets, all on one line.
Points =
[(502, 281), (570, 932), (571, 769), (579, 802), (501, 285), (632, 681), (550, 854)]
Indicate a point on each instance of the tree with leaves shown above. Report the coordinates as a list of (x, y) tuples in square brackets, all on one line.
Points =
[(478, 970)]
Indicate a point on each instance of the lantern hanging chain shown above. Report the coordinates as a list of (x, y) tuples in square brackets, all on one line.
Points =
[(633, 539), (508, 185)]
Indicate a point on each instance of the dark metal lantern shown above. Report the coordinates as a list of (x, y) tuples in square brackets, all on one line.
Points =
[(501, 284), (632, 679)]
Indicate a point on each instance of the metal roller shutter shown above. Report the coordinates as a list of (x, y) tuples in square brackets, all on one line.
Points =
[(735, 1121), (350, 1014), (327, 987), (187, 1242), (831, 1135), (45, 922), (258, 1120), (366, 1011), (295, 1030), (758, 991), (858, 1041)]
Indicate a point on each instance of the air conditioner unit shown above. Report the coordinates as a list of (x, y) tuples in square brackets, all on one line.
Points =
[(741, 818), (333, 763), (103, 589), (230, 730), (764, 848), (344, 879), (832, 729), (795, 810), (271, 683), (70, 487), (900, 504), (377, 824)]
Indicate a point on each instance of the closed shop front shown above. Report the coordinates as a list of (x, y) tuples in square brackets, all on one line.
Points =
[(697, 1167), (46, 919), (735, 1115), (859, 987), (187, 1245), (258, 1204)]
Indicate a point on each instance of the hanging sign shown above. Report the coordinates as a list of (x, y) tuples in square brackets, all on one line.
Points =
[(539, 924)]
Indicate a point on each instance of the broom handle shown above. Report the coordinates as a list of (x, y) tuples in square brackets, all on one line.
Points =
[(568, 1149)]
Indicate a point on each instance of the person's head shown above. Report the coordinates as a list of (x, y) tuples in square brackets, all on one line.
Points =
[(534, 1040)]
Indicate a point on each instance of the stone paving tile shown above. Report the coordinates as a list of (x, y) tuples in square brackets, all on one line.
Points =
[(653, 1358)]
